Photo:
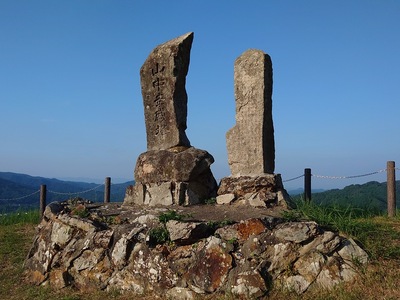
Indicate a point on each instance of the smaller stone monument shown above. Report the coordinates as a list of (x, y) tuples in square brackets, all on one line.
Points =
[(250, 143), (171, 171)]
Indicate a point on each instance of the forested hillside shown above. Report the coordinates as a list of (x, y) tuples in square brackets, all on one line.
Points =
[(20, 191), (370, 195)]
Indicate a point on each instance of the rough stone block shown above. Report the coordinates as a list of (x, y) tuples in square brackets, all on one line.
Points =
[(225, 199), (158, 194), (255, 200), (265, 190), (179, 293), (164, 165), (134, 194), (297, 232), (184, 233), (352, 252), (210, 273)]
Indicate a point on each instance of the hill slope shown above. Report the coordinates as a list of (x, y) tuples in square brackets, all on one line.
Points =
[(371, 194), (21, 191)]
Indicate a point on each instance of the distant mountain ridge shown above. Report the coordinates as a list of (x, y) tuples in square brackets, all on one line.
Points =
[(371, 195), (22, 191), (15, 189), (300, 191)]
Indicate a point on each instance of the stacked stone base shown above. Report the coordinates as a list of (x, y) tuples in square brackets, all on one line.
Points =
[(240, 258), (166, 193), (176, 176), (264, 190)]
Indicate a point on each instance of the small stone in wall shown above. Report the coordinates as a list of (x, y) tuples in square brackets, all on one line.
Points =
[(184, 233), (211, 269), (225, 199), (297, 232), (179, 293)]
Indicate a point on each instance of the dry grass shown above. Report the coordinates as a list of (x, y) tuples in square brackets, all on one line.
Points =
[(380, 279)]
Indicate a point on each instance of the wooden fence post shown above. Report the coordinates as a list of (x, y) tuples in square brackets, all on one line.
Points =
[(42, 201), (391, 189), (307, 184), (107, 188)]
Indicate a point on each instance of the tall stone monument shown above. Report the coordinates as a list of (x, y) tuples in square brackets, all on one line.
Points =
[(163, 79), (171, 171), (250, 143)]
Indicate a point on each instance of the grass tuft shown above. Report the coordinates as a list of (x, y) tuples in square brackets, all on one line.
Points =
[(171, 215), (159, 235)]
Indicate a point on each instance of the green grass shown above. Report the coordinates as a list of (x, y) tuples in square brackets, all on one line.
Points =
[(369, 226), (337, 217), (20, 217)]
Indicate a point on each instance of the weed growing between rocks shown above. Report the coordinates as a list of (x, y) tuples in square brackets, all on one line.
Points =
[(80, 211), (210, 201), (171, 215), (158, 235), (214, 225)]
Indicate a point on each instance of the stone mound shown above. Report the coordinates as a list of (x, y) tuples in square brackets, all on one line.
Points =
[(186, 250)]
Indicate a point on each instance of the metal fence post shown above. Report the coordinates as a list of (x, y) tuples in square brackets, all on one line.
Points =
[(391, 189)]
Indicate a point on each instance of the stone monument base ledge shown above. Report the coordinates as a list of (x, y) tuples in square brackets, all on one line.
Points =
[(264, 190), (166, 193), (176, 176)]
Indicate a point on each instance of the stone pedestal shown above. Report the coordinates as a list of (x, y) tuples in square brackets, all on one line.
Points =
[(168, 177), (258, 191)]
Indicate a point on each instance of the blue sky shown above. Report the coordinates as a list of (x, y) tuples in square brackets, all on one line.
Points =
[(71, 103)]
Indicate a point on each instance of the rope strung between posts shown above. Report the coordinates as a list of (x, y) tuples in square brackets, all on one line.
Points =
[(293, 178), (339, 177), (53, 192), (348, 177), (19, 198), (75, 193)]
